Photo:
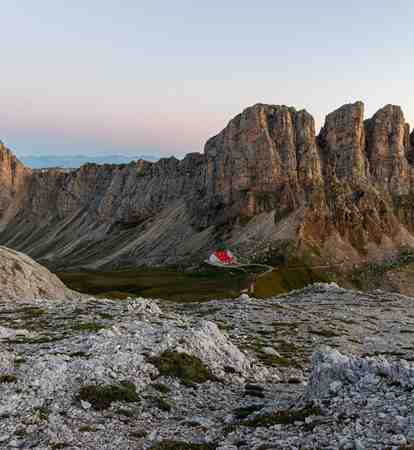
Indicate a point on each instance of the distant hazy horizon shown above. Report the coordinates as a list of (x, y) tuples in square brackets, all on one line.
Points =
[(75, 161), (161, 78)]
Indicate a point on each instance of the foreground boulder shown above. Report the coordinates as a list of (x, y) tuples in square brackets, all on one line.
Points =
[(21, 278), (109, 383)]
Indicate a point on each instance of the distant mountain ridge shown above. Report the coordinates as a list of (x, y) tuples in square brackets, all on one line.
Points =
[(266, 184), (75, 161)]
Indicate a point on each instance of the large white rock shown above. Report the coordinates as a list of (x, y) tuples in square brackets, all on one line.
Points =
[(21, 278)]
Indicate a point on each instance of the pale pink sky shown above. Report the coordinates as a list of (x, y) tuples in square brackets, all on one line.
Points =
[(162, 77)]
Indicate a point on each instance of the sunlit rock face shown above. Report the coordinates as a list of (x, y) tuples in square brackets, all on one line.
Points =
[(266, 158), (14, 177), (266, 177), (388, 145), (342, 141)]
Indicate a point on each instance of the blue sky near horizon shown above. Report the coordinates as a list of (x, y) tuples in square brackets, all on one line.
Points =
[(142, 77)]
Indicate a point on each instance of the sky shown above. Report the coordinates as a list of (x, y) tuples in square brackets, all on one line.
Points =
[(161, 77)]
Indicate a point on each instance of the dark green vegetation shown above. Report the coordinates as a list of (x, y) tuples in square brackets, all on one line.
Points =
[(42, 412), (244, 412), (162, 404), (189, 369), (295, 274), (180, 286), (101, 397), (87, 429), (7, 378), (283, 417), (163, 388), (179, 445), (168, 284)]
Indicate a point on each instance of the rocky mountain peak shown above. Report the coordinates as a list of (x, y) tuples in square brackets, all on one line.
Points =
[(387, 148), (265, 178), (342, 141)]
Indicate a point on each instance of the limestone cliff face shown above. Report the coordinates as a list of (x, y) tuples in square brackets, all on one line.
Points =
[(13, 183), (342, 141), (388, 141), (266, 158), (345, 194)]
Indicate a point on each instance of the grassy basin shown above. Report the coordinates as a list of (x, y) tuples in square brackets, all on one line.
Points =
[(180, 286), (168, 284)]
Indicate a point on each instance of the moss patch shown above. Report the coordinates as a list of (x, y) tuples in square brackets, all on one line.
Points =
[(162, 404), (188, 368), (180, 445), (57, 445), (274, 360), (87, 429), (32, 312), (101, 397), (160, 387), (8, 378), (245, 411), (42, 412), (283, 417)]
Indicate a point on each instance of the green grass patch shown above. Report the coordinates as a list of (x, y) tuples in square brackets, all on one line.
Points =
[(245, 411), (87, 429), (160, 387), (36, 340), (101, 397), (58, 445), (181, 445), (8, 378), (189, 369), (283, 417), (32, 312), (42, 412), (126, 412), (161, 403), (285, 278), (274, 360), (168, 284)]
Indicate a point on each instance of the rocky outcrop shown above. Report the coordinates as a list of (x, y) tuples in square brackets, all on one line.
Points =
[(264, 181), (22, 279), (95, 374)]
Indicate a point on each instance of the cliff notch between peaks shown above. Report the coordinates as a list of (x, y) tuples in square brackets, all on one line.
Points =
[(267, 184)]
